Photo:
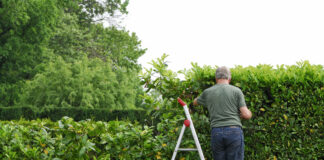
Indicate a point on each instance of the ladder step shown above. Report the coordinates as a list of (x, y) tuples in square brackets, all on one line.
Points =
[(187, 149)]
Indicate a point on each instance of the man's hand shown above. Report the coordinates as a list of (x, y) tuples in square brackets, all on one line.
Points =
[(195, 103), (192, 105)]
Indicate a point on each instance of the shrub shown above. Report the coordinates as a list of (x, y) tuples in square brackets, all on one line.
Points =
[(67, 139)]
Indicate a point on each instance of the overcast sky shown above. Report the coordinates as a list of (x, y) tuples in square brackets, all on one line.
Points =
[(229, 32)]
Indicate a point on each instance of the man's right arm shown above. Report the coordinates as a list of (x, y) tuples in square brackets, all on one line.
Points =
[(200, 100), (245, 112)]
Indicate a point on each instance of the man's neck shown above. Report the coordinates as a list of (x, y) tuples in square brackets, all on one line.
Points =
[(222, 81)]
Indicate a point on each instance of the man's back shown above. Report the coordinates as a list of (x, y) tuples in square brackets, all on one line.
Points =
[(223, 102)]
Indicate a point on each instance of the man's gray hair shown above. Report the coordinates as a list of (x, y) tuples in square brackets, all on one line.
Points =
[(223, 73)]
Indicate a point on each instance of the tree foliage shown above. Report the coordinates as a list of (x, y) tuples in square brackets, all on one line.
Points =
[(88, 83), (25, 27), (90, 11), (35, 34)]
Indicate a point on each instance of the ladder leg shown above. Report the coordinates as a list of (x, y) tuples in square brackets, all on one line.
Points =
[(178, 143), (194, 135)]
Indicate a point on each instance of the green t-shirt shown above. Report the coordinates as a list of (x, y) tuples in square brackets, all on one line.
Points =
[(223, 102)]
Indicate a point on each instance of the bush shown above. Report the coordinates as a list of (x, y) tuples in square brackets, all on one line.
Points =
[(67, 139)]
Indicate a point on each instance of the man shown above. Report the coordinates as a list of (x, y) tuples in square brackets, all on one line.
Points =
[(226, 105)]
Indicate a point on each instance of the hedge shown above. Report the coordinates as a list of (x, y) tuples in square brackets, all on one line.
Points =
[(56, 113), (287, 103)]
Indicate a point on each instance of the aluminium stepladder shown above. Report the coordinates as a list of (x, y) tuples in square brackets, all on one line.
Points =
[(188, 123)]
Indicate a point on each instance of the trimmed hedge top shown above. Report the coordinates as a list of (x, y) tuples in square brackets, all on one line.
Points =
[(98, 114)]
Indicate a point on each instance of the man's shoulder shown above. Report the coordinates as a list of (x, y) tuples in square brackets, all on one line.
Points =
[(215, 87), (235, 88), (210, 88)]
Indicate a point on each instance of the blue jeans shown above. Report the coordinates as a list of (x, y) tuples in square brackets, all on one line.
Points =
[(227, 143)]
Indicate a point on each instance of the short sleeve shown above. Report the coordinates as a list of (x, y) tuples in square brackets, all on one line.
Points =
[(241, 100), (202, 99)]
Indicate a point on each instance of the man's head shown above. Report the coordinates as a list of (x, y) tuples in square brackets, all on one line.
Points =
[(223, 74)]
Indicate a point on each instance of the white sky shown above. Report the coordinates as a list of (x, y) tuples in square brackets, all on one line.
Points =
[(228, 32)]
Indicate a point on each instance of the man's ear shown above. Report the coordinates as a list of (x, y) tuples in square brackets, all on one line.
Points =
[(229, 80)]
